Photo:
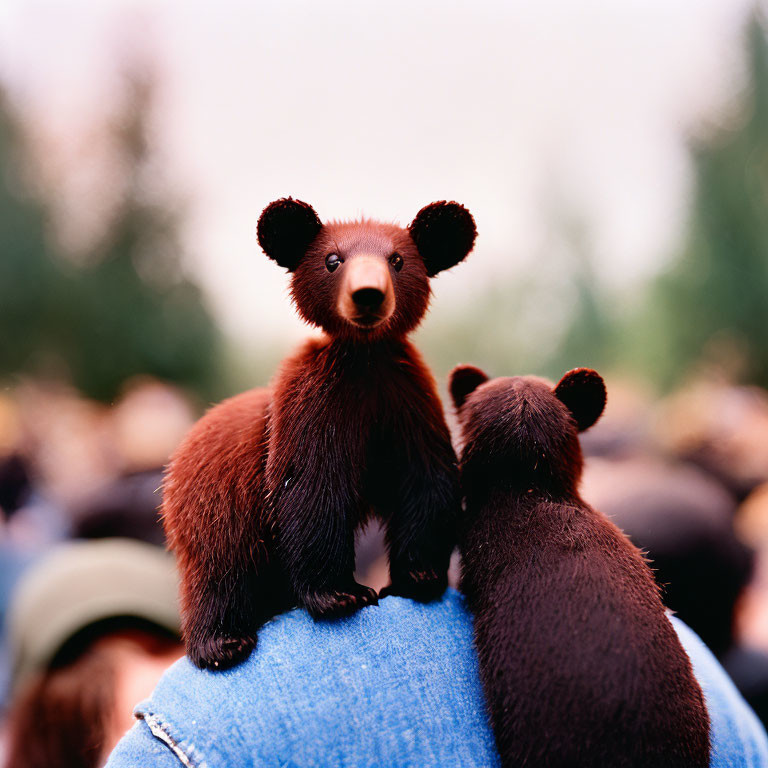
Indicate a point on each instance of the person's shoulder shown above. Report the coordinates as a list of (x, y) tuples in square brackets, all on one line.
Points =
[(394, 684), (738, 737), (293, 644), (397, 683)]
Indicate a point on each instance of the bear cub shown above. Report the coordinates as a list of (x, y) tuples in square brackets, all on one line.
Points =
[(263, 497), (579, 663)]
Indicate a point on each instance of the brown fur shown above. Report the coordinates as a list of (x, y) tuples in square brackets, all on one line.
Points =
[(579, 663), (263, 498)]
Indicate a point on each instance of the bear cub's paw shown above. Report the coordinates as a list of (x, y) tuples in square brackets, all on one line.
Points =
[(333, 603), (221, 652), (423, 586)]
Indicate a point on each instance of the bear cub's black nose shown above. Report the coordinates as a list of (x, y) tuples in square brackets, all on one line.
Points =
[(368, 298)]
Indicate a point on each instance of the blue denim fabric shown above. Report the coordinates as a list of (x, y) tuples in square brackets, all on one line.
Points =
[(393, 685)]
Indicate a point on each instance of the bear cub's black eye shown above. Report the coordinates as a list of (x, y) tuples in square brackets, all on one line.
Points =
[(332, 262), (396, 260)]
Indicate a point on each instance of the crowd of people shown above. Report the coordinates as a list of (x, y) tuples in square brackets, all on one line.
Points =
[(88, 594)]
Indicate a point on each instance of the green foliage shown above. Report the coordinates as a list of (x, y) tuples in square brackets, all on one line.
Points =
[(590, 337), (554, 317), (128, 310), (712, 305), (29, 277)]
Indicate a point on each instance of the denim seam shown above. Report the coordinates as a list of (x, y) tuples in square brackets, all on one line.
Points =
[(160, 730)]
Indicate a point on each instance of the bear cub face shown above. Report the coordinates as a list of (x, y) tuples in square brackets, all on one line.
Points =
[(522, 431), (364, 280)]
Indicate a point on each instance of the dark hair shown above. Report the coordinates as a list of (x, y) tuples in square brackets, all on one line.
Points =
[(60, 719), (125, 508), (15, 483)]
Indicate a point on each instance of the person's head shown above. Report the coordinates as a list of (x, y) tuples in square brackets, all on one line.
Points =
[(91, 629), (15, 483), (683, 519), (126, 507)]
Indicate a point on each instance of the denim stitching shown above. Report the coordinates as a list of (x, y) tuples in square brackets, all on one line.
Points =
[(160, 731)]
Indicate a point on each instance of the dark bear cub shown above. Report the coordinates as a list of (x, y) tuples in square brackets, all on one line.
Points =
[(262, 499), (579, 663)]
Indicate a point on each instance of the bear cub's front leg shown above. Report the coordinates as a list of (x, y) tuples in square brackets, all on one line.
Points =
[(421, 500), (317, 510), (333, 603), (421, 534)]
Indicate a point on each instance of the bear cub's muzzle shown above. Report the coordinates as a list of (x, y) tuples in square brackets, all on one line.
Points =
[(366, 294)]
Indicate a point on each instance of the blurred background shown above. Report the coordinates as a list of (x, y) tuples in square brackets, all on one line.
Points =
[(615, 156)]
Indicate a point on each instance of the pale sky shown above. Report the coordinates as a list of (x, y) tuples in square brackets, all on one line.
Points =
[(515, 109)]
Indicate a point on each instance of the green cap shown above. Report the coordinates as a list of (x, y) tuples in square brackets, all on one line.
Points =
[(80, 583)]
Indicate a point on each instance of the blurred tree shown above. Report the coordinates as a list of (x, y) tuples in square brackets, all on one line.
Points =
[(589, 338), (129, 309), (545, 321), (30, 280), (712, 305), (137, 312)]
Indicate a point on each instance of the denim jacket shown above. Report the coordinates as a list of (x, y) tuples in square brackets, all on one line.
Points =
[(393, 685)]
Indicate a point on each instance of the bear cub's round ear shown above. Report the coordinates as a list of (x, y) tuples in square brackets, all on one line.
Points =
[(444, 233), (582, 391), (464, 380), (285, 230)]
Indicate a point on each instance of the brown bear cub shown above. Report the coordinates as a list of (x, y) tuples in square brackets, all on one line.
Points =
[(579, 663), (263, 498)]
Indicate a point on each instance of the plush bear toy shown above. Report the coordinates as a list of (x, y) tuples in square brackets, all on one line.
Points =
[(263, 497), (580, 665)]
